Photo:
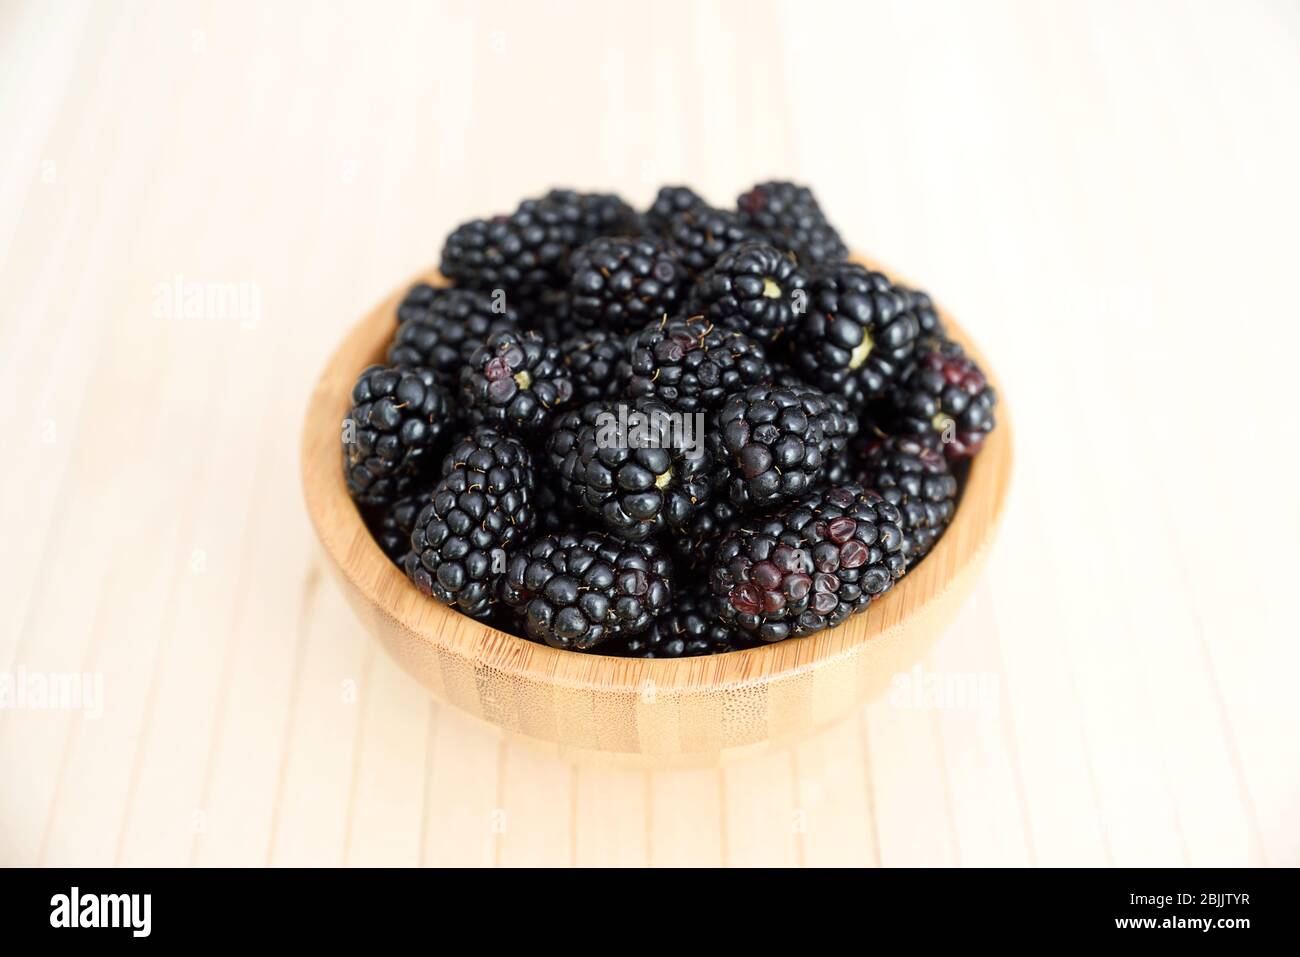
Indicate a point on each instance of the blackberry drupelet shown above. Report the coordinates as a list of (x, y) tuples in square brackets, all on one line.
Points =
[(754, 288), (917, 481), (576, 591), (635, 492), (700, 235), (789, 217), (391, 526), (857, 333), (927, 317), (524, 253), (809, 565), (440, 328), (691, 364), (669, 202), (943, 398), (773, 442), (514, 380), (593, 359), (391, 432), (690, 628), (621, 283), (478, 513)]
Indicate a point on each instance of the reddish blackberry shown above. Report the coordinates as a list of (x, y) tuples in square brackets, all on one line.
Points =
[(857, 332), (596, 214), (810, 565), (916, 480), (523, 253), (621, 463), (943, 398), (691, 364), (670, 201), (689, 629), (700, 235), (754, 288), (514, 380), (440, 328), (789, 217), (391, 526), (593, 358), (620, 283), (396, 419), (479, 511), (773, 442), (575, 591)]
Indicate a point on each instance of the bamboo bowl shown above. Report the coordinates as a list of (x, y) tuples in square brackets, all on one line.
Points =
[(638, 712)]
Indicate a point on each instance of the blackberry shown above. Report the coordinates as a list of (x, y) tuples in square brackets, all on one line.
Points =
[(620, 283), (575, 591), (943, 398), (670, 201), (691, 364), (927, 317), (789, 217), (696, 544), (857, 333), (596, 214), (593, 359), (754, 288), (514, 380), (700, 235), (810, 565), (523, 254), (396, 419), (916, 480), (773, 442), (479, 511), (615, 463), (440, 328), (690, 628), (391, 526)]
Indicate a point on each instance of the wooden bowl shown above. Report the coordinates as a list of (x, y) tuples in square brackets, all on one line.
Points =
[(648, 713)]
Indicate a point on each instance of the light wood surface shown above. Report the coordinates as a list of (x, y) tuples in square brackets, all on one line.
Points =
[(629, 712), (1103, 193)]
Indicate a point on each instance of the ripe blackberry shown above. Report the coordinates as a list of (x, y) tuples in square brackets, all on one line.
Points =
[(700, 235), (810, 565), (689, 629), (575, 591), (916, 480), (670, 201), (593, 358), (943, 398), (440, 328), (695, 545), (635, 491), (857, 333), (596, 214), (479, 511), (524, 253), (514, 380), (927, 317), (754, 288), (773, 442), (691, 364), (391, 526), (389, 434), (789, 217), (620, 283)]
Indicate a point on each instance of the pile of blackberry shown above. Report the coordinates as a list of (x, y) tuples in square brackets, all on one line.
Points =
[(682, 431)]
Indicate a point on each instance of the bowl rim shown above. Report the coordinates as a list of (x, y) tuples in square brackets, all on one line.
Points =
[(361, 562)]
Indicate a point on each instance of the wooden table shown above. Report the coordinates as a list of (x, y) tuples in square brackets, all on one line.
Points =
[(196, 201)]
